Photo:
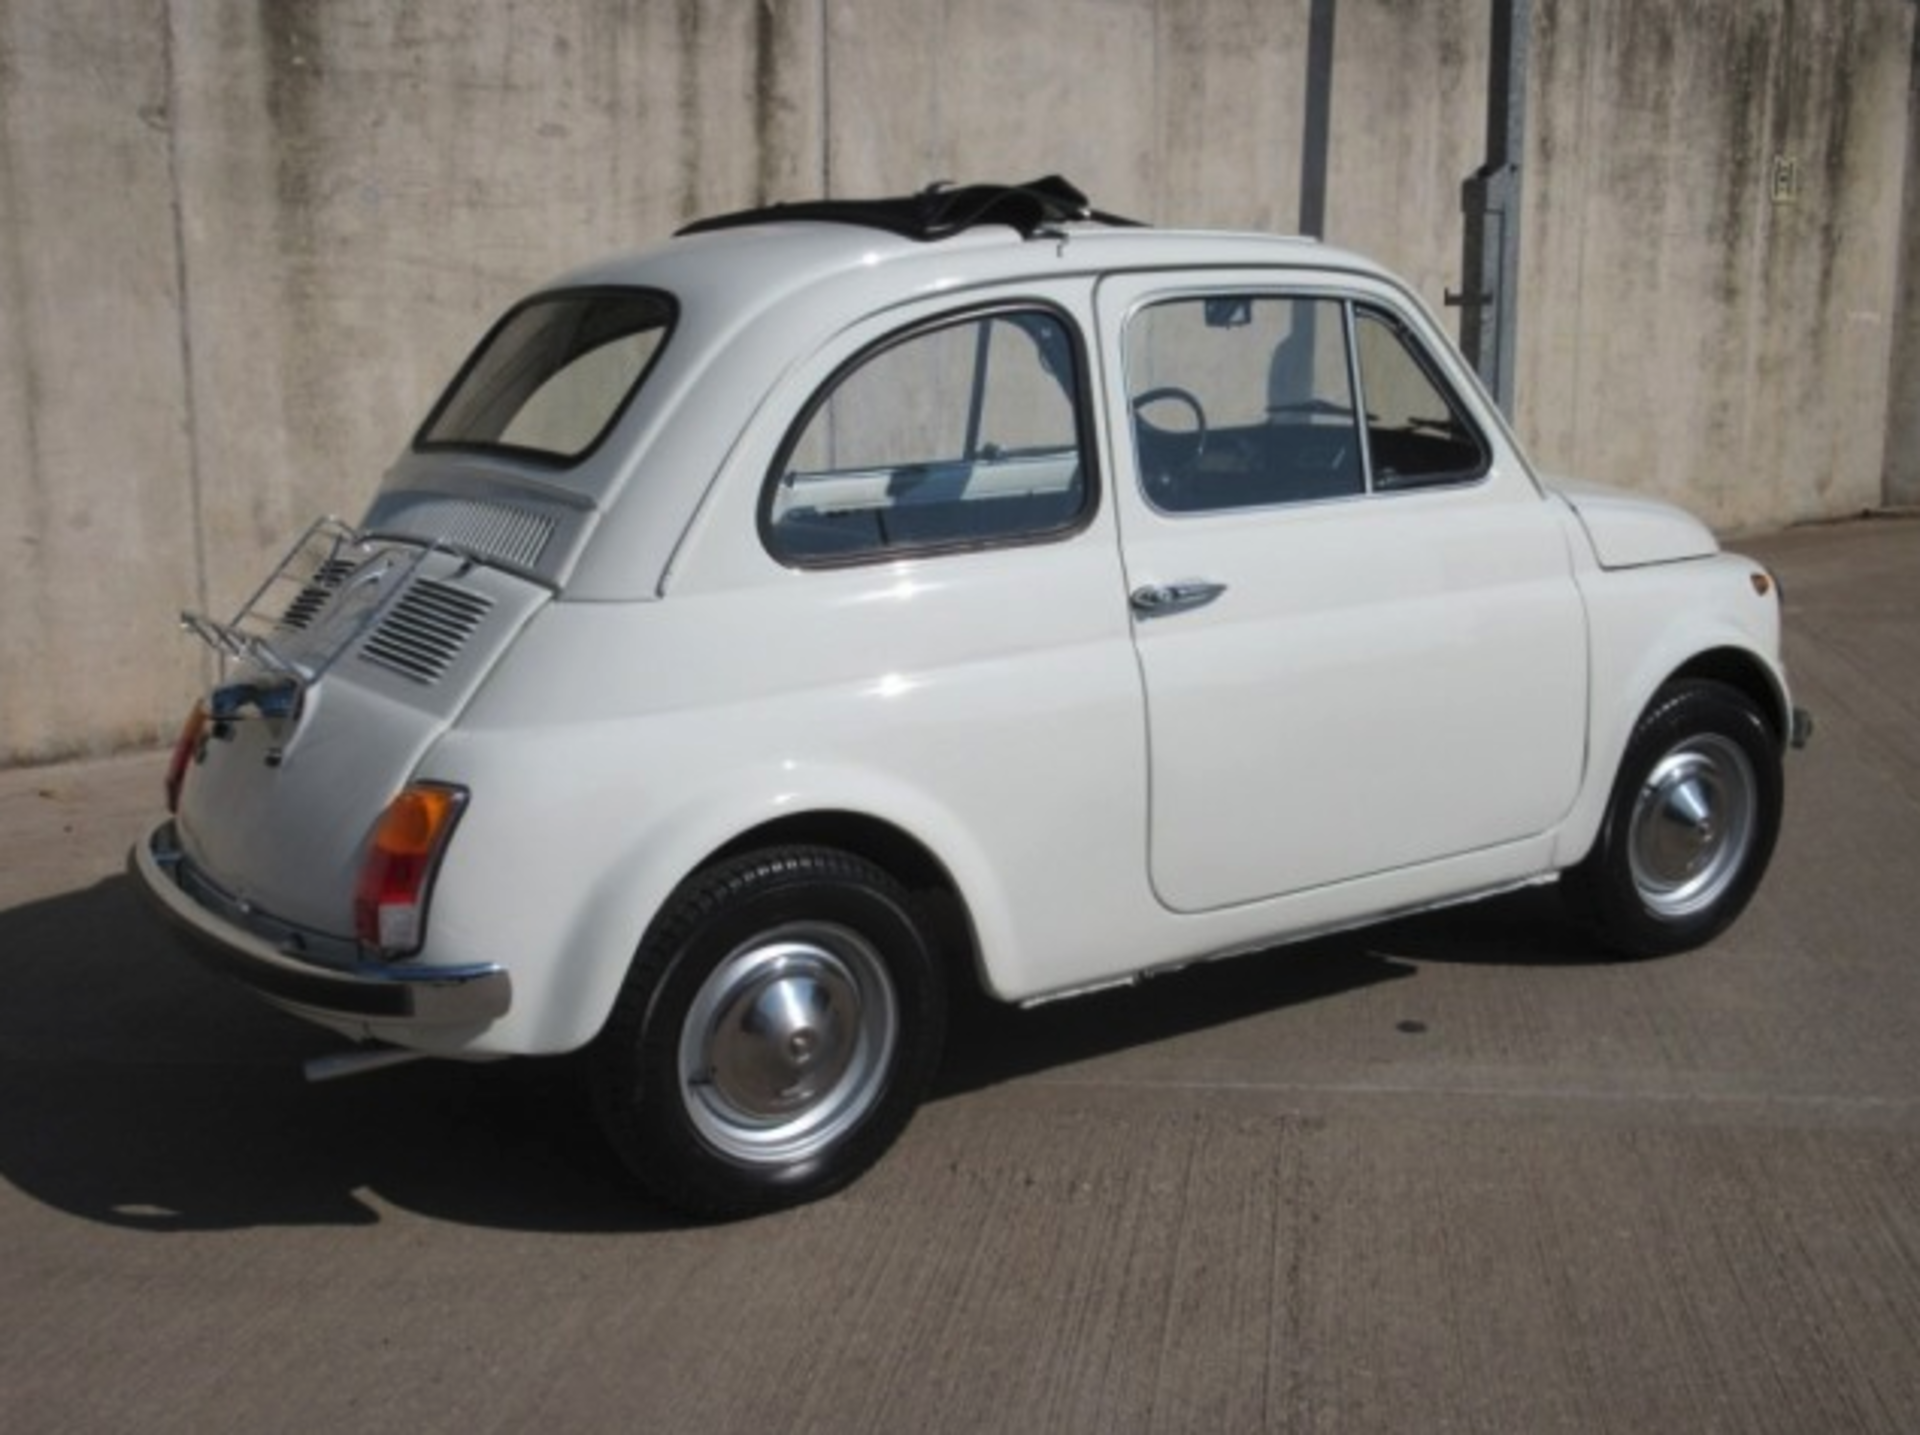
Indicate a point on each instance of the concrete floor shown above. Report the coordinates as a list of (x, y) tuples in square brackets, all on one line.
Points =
[(1456, 1174)]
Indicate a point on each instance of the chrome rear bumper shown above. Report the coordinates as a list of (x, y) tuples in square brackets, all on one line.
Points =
[(323, 979)]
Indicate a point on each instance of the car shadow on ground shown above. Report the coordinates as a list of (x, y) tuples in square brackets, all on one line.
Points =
[(1528, 928), (146, 1094), (989, 1042)]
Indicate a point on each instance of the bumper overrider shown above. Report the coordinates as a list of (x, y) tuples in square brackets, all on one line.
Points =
[(322, 978)]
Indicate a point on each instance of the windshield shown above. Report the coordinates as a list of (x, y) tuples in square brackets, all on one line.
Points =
[(552, 377)]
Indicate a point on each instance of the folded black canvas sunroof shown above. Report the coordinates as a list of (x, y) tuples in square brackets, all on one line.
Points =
[(937, 212)]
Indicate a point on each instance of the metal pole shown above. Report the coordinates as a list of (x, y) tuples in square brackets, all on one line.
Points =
[(1316, 132), (1490, 198)]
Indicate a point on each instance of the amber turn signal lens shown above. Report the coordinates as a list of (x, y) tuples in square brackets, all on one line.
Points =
[(390, 899)]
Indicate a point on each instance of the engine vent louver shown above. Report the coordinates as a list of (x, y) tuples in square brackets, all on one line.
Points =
[(421, 635), (313, 595)]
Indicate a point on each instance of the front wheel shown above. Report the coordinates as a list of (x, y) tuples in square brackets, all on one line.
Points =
[(774, 1036), (1691, 824)]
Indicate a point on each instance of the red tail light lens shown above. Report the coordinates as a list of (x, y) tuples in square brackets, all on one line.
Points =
[(390, 899), (185, 749)]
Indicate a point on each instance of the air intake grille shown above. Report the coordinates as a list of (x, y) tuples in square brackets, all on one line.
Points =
[(422, 633), (497, 531)]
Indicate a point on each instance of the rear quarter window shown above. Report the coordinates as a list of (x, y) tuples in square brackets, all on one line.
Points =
[(958, 434)]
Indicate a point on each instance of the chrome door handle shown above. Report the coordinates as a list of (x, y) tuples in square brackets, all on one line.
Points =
[(1158, 600)]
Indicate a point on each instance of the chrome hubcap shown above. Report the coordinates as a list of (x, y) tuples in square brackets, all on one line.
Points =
[(787, 1043), (1692, 826)]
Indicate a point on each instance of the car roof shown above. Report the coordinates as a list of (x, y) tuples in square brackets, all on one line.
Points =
[(940, 240), (799, 249)]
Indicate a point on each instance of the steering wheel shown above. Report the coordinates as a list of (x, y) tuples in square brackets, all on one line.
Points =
[(1166, 453)]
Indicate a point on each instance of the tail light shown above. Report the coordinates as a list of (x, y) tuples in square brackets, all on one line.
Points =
[(185, 749), (390, 899)]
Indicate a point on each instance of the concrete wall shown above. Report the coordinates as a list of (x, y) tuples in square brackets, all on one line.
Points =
[(242, 244), (1710, 278)]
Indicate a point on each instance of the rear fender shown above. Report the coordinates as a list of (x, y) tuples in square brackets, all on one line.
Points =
[(606, 861)]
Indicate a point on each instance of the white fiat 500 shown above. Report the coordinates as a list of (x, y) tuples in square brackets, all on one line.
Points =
[(843, 602)]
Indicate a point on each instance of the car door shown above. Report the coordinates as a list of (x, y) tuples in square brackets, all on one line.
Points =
[(1360, 642)]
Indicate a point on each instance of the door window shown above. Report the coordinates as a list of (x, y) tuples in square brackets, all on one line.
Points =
[(1243, 401)]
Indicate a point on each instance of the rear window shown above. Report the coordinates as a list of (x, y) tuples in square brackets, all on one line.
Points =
[(554, 375)]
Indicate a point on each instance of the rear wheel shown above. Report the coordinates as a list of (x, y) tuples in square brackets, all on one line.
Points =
[(775, 1034), (1691, 824)]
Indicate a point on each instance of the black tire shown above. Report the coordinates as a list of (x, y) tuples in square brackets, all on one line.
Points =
[(778, 1028), (1691, 824)]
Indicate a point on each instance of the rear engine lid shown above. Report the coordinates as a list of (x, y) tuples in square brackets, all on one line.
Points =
[(327, 701)]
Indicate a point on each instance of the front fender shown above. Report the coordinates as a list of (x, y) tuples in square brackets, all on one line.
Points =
[(1648, 624)]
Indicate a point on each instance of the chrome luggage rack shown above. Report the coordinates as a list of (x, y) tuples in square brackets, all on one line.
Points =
[(333, 585)]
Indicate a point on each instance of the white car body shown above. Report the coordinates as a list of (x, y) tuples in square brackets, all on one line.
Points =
[(1398, 699)]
